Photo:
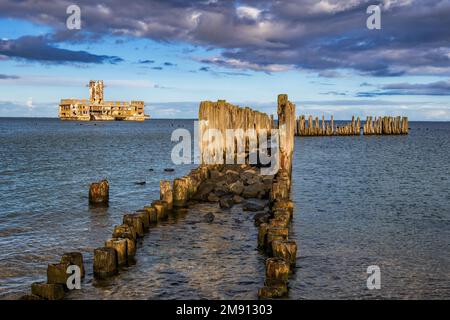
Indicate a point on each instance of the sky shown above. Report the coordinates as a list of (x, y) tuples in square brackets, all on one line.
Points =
[(175, 53)]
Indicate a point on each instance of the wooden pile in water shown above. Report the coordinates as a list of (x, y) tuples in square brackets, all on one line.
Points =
[(324, 128), (386, 126), (377, 126)]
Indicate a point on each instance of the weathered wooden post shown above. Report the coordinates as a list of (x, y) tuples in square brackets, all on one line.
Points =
[(126, 232), (136, 222), (105, 262), (152, 214), (286, 117), (120, 245), (286, 250), (74, 258), (161, 208), (166, 194), (277, 269), (48, 291), (180, 192), (56, 273), (99, 193)]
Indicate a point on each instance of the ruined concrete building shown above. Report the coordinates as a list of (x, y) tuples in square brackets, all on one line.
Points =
[(96, 109)]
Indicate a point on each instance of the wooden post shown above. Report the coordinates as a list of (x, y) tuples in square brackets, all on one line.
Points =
[(136, 222), (277, 269), (48, 291), (105, 262), (286, 250), (166, 193), (180, 191), (286, 117), (120, 245), (99, 193), (74, 258)]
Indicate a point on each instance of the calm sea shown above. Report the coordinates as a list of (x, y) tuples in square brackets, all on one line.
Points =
[(360, 201)]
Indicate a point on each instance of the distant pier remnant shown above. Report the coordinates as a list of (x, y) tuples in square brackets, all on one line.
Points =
[(386, 126), (377, 126), (99, 193)]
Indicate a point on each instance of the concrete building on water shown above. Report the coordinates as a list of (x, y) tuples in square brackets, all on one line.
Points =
[(96, 109)]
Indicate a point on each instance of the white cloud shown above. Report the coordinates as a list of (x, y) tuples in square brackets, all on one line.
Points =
[(29, 103), (248, 12), (245, 65)]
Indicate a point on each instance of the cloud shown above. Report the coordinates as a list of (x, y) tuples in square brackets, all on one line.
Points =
[(146, 61), (8, 77), (245, 12), (438, 88), (243, 65), (223, 73), (29, 103), (39, 49), (271, 36)]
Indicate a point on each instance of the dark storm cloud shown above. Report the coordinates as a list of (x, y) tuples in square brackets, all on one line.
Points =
[(8, 77), (38, 49), (438, 88), (271, 36)]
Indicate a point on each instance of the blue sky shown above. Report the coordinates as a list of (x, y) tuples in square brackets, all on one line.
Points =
[(174, 54)]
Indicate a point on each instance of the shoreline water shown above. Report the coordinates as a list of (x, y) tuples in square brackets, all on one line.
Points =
[(390, 184)]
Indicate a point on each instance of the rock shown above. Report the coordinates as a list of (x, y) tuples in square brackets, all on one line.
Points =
[(231, 176), (238, 199), (47, 291), (267, 180), (140, 183), (249, 192), (209, 217), (248, 175), (252, 206), (221, 189), (213, 198), (169, 170), (216, 175), (226, 202), (99, 193), (236, 187), (204, 190)]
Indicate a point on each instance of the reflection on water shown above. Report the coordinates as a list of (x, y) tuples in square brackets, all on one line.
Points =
[(359, 201)]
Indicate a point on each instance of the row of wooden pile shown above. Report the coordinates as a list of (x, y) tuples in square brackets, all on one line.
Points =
[(378, 126)]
